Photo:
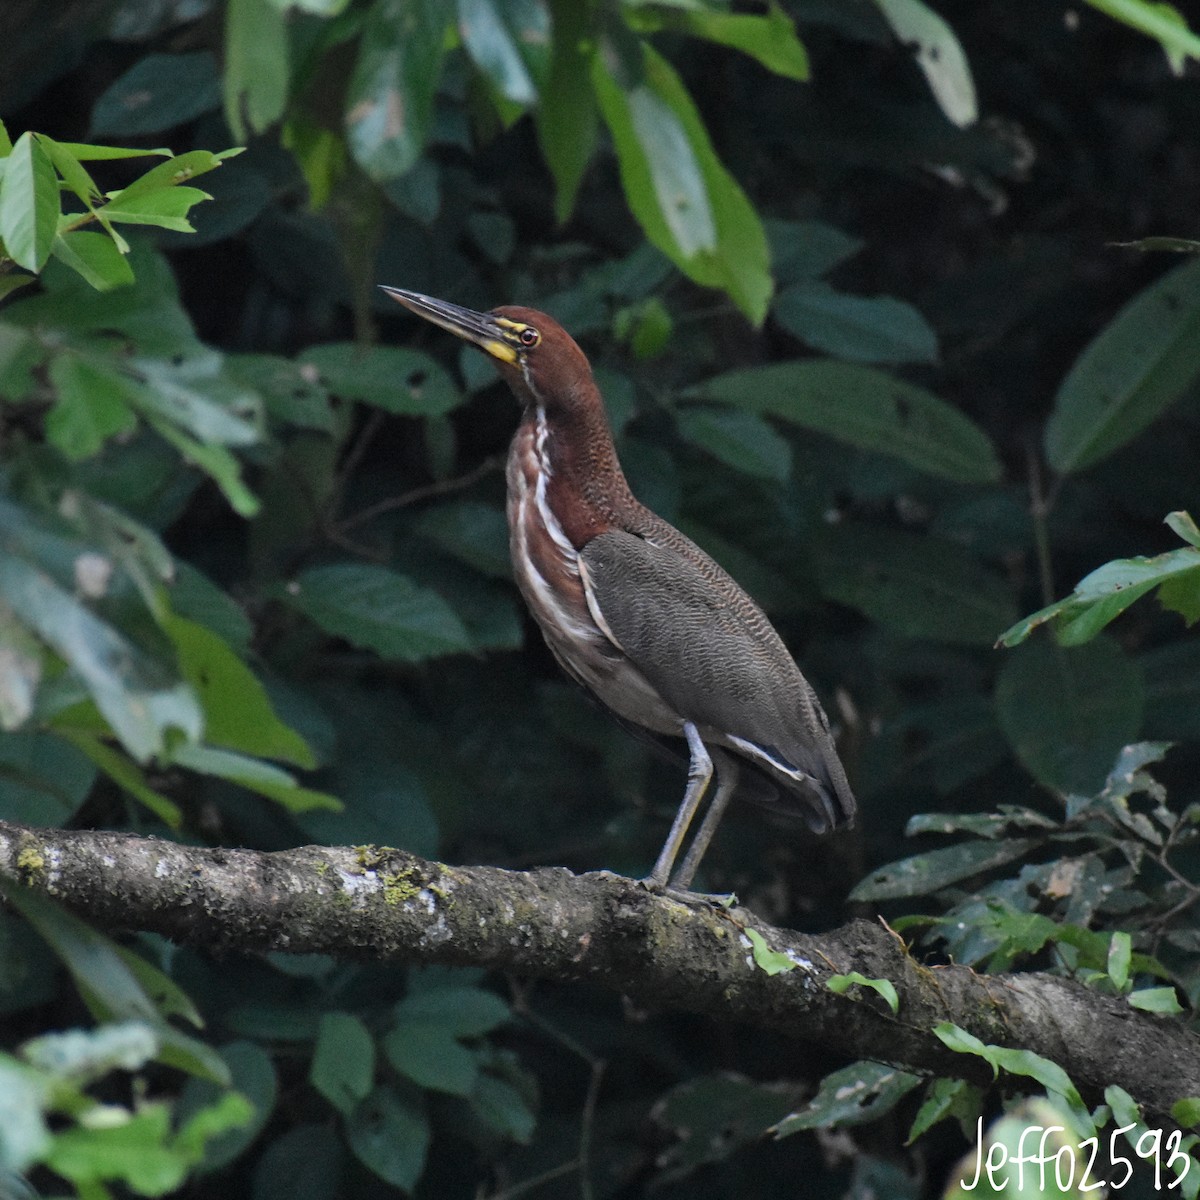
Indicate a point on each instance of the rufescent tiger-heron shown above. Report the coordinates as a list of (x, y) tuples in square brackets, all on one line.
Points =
[(637, 612)]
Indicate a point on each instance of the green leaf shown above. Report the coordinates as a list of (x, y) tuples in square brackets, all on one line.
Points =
[(291, 393), (869, 329), (252, 773), (739, 439), (464, 1011), (925, 874), (127, 775), (567, 118), (689, 206), (1108, 591), (841, 984), (250, 1071), (139, 700), (503, 1107), (380, 610), (195, 395), (343, 1063), (177, 170), (1158, 1000), (95, 256), (1173, 244), (29, 204), (1187, 1112), (492, 45), (238, 714), (773, 962), (1120, 951), (1182, 523), (429, 1055), (855, 1095), (256, 65), (1137, 366), (24, 1136), (472, 532), (42, 780), (135, 1151), (1068, 712), (938, 54), (112, 991), (1163, 22), (92, 405), (398, 381), (158, 92), (305, 1163), (770, 39), (947, 1098), (389, 1134), (1017, 1062), (21, 664), (390, 102), (866, 408), (919, 586), (229, 1113), (215, 461), (165, 207), (808, 249)]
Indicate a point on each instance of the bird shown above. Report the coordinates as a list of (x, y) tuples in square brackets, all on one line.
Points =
[(634, 610)]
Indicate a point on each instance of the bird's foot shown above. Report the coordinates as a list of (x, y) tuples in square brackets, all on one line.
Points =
[(723, 900)]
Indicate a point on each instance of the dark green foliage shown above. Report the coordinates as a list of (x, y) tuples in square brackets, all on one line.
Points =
[(879, 357)]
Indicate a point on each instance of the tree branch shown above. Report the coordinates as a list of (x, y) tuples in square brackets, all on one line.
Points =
[(371, 903)]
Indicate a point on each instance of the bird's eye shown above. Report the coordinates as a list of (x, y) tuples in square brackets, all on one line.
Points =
[(529, 337)]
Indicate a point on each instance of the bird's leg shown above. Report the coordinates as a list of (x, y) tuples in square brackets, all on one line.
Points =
[(727, 781), (700, 772)]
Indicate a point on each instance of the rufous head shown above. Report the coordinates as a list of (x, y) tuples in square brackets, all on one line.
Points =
[(535, 354)]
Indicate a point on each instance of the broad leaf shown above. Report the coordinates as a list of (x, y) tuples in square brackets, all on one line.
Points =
[(869, 329), (136, 695), (400, 381), (158, 92), (920, 587), (925, 874), (861, 1092), (95, 256), (427, 1053), (1103, 595), (238, 714), (1137, 366), (390, 102), (689, 206), (92, 405), (256, 65), (343, 1063), (938, 54), (378, 609), (866, 408), (389, 1134), (740, 439), (567, 117), (1068, 712), (770, 38), (29, 204), (493, 34)]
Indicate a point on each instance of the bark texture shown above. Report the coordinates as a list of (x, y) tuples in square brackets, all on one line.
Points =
[(368, 902)]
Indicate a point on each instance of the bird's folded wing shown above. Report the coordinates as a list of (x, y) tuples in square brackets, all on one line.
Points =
[(713, 656), (699, 640)]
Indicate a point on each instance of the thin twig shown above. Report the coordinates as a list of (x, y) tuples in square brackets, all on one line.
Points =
[(1039, 510), (597, 1066), (527, 1185), (438, 488)]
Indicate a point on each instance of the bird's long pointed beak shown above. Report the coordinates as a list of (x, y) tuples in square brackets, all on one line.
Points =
[(480, 328)]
